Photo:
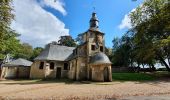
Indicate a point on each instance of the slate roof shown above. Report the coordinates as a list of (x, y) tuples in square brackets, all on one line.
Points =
[(18, 62), (56, 52), (100, 58)]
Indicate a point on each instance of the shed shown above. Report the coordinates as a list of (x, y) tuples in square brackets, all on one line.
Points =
[(19, 68)]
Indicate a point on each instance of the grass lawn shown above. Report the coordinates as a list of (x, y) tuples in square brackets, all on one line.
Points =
[(132, 77)]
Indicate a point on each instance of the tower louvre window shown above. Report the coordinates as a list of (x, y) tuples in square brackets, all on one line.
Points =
[(92, 47), (101, 48)]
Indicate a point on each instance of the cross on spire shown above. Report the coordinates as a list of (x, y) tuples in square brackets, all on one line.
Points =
[(94, 8)]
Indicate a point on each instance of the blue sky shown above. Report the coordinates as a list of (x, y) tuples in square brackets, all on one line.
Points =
[(110, 15), (72, 16)]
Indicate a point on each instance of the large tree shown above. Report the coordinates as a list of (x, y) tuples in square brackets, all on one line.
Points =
[(36, 52), (25, 51), (122, 51), (151, 28), (8, 41)]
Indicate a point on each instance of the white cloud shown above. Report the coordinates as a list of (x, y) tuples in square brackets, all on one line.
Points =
[(36, 26), (55, 4), (126, 22)]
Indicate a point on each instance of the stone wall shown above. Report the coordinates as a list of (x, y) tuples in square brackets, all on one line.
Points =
[(15, 72), (46, 72), (35, 72), (24, 72), (98, 73), (78, 69)]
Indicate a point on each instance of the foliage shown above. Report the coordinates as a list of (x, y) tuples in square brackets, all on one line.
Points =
[(108, 52), (151, 32), (8, 41), (148, 41), (36, 52), (25, 51), (67, 41), (122, 49)]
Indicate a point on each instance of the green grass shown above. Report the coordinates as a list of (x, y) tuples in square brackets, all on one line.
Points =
[(132, 77)]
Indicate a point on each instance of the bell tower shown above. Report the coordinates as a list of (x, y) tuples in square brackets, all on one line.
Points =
[(95, 36), (94, 22)]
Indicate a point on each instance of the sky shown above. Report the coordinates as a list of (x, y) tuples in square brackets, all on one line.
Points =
[(42, 21)]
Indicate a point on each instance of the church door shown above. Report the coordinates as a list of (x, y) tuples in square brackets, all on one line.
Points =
[(58, 74), (106, 74)]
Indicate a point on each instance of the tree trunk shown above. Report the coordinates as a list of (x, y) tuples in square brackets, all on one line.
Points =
[(143, 67), (166, 65), (138, 67), (169, 61)]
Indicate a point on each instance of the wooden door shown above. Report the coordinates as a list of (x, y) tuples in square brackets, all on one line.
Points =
[(58, 72)]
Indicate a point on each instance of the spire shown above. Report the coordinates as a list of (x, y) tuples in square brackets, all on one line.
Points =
[(94, 22)]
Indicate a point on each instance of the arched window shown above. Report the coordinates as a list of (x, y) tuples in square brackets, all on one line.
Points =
[(41, 65), (51, 65)]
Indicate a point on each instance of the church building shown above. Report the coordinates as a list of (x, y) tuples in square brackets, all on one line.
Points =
[(87, 61)]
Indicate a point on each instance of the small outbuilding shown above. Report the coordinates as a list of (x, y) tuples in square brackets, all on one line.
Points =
[(19, 68), (100, 68)]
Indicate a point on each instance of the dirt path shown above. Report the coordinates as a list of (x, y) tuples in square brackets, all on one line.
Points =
[(51, 90)]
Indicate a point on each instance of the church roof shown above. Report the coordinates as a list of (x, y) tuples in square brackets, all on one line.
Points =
[(56, 52), (100, 58), (18, 62)]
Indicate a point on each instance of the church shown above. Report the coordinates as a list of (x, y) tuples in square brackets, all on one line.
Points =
[(87, 61)]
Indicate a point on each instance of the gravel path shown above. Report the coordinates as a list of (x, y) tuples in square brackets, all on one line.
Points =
[(79, 91)]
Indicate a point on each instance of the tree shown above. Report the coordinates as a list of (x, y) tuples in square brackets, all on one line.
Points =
[(122, 49), (36, 52), (67, 41), (8, 41), (151, 31), (25, 51)]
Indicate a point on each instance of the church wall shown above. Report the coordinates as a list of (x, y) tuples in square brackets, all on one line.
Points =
[(15, 72), (24, 72), (82, 68), (93, 39), (35, 72), (9, 72), (78, 69), (46, 72), (72, 71), (98, 72)]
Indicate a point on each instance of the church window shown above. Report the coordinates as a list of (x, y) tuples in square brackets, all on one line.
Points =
[(51, 65), (66, 66), (92, 47), (41, 65), (101, 48)]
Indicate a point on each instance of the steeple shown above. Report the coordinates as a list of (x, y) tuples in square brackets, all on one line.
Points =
[(94, 22)]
